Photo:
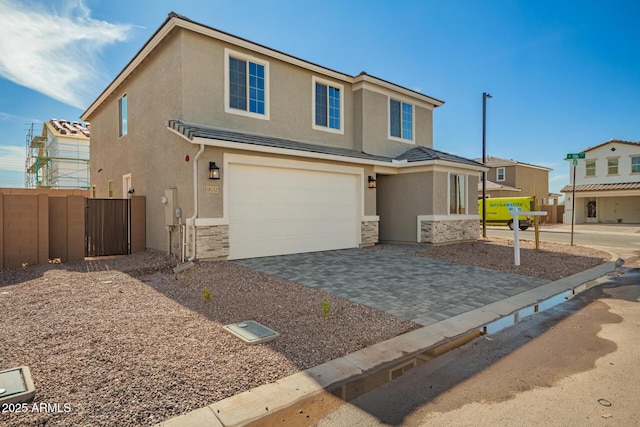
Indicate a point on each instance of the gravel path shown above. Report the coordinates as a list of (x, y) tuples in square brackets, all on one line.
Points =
[(125, 343)]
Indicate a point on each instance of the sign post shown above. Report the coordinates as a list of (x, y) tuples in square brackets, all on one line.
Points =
[(515, 212), (574, 157)]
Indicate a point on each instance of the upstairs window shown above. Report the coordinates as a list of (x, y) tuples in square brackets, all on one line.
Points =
[(400, 120), (612, 166), (591, 168), (246, 85), (500, 174), (122, 111), (635, 164), (327, 106), (457, 194)]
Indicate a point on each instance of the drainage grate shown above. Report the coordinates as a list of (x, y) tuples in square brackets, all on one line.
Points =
[(251, 332), (16, 385)]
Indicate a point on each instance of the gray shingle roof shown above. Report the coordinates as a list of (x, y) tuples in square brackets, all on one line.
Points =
[(415, 154), (421, 154), (191, 131)]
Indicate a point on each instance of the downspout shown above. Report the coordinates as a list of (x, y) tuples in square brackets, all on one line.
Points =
[(195, 201)]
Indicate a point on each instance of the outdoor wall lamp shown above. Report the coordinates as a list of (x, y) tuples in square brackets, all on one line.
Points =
[(214, 171), (372, 182)]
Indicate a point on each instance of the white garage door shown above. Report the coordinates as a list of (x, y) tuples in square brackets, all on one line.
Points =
[(276, 211)]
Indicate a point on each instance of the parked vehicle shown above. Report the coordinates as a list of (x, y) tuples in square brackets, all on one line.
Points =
[(498, 211)]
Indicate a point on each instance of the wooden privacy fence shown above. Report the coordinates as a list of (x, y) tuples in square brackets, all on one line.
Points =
[(39, 225), (114, 226), (107, 227)]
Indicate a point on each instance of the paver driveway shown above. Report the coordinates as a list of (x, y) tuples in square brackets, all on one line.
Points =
[(390, 279)]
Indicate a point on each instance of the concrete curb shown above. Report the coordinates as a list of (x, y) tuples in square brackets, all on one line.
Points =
[(366, 369)]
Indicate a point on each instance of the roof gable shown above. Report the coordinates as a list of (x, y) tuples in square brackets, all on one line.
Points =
[(611, 141)]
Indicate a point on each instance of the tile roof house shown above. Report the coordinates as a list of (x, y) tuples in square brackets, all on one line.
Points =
[(511, 178), (244, 151), (607, 184)]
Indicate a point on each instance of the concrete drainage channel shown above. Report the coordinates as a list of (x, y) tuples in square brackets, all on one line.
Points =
[(299, 398)]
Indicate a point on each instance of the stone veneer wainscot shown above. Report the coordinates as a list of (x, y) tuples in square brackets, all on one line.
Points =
[(212, 242), (449, 230)]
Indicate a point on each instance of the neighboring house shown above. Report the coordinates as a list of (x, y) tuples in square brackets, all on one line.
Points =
[(59, 156), (607, 184), (511, 178), (244, 151)]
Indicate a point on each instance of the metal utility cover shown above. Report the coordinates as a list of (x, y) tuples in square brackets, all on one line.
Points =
[(251, 332), (16, 385)]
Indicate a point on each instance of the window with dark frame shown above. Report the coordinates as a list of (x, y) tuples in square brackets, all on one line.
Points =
[(246, 86), (400, 119), (457, 194), (122, 112)]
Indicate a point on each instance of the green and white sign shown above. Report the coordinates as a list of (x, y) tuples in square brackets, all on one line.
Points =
[(575, 156)]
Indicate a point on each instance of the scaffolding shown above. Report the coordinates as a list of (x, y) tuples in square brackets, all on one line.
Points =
[(59, 157)]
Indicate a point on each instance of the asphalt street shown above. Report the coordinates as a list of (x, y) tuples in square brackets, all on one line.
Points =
[(626, 246)]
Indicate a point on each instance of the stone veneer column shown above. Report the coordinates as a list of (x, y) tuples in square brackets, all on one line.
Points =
[(369, 233)]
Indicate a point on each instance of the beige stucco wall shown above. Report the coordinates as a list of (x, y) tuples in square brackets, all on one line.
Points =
[(373, 137), (153, 156), (290, 95), (399, 204), (532, 182)]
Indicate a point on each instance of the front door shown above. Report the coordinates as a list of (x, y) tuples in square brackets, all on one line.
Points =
[(591, 211)]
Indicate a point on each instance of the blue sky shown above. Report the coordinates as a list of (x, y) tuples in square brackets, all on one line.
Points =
[(564, 75)]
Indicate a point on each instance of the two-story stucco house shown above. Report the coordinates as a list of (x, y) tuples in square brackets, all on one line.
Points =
[(607, 184), (511, 178), (244, 151)]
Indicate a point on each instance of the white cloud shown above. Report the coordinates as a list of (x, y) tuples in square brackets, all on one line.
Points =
[(54, 53), (6, 117), (12, 158)]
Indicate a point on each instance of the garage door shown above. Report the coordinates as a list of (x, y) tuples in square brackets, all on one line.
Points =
[(276, 211)]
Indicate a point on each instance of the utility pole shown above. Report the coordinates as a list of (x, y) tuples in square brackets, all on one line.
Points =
[(485, 95)]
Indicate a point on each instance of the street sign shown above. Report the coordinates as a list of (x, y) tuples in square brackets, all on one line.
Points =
[(575, 156), (575, 162)]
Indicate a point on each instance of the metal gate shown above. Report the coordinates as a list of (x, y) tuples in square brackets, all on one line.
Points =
[(107, 227)]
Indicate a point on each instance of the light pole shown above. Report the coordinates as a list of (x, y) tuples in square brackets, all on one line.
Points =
[(485, 95)]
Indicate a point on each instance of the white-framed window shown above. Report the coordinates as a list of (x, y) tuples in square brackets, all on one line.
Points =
[(401, 125), (122, 116), (635, 164), (328, 105), (457, 194), (500, 174), (246, 85), (612, 166), (590, 167)]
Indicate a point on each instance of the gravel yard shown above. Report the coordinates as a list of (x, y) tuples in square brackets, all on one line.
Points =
[(552, 262), (125, 343)]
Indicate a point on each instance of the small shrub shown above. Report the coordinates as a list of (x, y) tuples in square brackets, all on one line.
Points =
[(206, 295), (326, 307)]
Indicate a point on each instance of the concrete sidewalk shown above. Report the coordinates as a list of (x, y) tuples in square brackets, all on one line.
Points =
[(357, 373)]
